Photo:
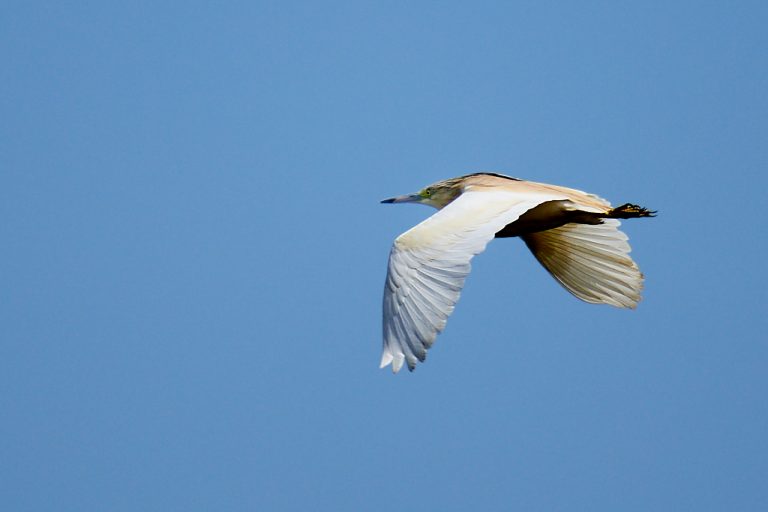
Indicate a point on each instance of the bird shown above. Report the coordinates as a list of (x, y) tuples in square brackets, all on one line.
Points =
[(574, 235)]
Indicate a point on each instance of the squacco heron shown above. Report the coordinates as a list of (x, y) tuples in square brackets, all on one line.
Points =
[(574, 235)]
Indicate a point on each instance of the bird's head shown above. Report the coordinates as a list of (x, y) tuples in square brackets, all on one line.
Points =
[(437, 195)]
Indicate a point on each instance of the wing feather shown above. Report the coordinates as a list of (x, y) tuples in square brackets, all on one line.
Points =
[(590, 261), (429, 263)]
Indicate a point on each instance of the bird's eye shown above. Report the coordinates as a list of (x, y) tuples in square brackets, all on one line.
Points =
[(427, 192)]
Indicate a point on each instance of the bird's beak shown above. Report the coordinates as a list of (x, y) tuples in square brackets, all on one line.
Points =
[(410, 198)]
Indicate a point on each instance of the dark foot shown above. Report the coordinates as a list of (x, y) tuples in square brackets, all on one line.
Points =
[(630, 211)]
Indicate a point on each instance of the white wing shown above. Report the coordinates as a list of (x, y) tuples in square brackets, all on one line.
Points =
[(590, 261), (428, 265)]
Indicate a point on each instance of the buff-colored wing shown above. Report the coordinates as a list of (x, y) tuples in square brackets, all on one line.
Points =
[(590, 261)]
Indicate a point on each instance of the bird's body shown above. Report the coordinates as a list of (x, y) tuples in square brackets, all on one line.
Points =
[(574, 235)]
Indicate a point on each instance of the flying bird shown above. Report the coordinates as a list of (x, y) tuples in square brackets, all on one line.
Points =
[(573, 234)]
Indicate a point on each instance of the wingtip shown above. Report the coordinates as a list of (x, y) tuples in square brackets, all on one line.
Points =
[(387, 358), (397, 363)]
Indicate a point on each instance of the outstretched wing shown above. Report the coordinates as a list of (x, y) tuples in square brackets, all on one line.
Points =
[(429, 263), (590, 261)]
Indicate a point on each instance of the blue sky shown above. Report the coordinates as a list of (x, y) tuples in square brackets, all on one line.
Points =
[(194, 254)]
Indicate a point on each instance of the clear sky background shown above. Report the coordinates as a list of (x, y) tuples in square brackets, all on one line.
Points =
[(193, 256)]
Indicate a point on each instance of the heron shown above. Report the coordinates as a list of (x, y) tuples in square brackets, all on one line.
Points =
[(573, 234)]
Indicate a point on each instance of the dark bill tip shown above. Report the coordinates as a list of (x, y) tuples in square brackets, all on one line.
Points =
[(410, 198)]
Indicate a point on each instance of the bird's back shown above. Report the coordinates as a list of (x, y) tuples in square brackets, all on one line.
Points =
[(492, 181)]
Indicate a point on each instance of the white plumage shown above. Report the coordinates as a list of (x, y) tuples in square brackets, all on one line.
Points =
[(429, 263)]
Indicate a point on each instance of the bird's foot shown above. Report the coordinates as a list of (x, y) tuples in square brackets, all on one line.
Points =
[(630, 211)]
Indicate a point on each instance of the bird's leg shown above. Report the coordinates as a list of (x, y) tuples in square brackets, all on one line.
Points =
[(629, 211), (553, 214)]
